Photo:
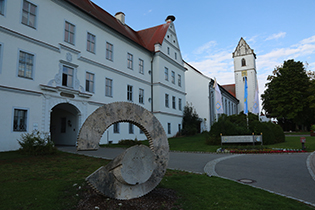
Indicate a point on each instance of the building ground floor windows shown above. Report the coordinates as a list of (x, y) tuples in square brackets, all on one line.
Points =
[(62, 118)]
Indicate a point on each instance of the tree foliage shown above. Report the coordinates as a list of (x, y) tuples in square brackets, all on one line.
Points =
[(286, 96), (191, 121)]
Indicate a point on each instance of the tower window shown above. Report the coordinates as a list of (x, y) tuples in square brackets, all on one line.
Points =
[(243, 62)]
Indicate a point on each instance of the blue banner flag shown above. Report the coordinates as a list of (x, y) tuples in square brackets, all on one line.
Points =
[(245, 97)]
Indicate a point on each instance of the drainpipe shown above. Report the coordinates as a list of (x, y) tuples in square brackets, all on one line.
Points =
[(152, 82)]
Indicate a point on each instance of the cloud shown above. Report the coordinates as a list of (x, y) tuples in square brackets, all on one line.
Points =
[(219, 65), (149, 11), (276, 36), (215, 62), (205, 48), (276, 57)]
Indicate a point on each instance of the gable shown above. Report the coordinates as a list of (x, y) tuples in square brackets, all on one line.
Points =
[(243, 49)]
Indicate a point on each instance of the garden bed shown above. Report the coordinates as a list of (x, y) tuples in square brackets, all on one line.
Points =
[(259, 151)]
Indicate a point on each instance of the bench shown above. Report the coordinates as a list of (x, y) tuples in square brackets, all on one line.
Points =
[(242, 139)]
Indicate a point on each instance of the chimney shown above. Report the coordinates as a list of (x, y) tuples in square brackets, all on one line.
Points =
[(170, 18), (121, 17)]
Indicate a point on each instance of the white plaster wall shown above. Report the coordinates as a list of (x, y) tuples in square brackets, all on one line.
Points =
[(198, 94), (50, 32), (31, 103), (251, 80)]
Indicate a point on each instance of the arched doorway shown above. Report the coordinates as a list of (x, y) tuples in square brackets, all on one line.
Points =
[(64, 124)]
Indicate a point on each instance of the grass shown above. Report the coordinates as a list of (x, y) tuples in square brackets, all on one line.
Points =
[(293, 142), (47, 182), (190, 143), (43, 182), (203, 192), (197, 143)]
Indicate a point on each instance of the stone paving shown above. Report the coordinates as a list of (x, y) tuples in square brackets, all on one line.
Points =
[(290, 175)]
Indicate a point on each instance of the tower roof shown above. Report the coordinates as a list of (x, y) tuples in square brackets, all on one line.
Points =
[(243, 49)]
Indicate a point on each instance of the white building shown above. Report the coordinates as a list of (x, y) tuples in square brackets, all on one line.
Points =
[(201, 95), (201, 92), (62, 59)]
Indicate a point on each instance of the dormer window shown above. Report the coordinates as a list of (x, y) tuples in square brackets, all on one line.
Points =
[(243, 62)]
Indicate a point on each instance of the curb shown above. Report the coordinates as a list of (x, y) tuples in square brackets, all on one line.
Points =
[(310, 162)]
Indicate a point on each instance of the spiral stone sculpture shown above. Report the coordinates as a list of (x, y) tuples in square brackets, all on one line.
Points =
[(139, 169)]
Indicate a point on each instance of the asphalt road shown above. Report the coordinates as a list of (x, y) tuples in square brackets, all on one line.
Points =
[(284, 174)]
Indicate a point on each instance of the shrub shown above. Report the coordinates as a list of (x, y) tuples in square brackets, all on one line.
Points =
[(129, 142), (237, 125), (36, 143)]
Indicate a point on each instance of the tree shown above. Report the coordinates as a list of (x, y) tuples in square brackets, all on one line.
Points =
[(286, 96), (191, 121)]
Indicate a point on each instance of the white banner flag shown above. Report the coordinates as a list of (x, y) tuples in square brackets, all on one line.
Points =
[(256, 101), (218, 98)]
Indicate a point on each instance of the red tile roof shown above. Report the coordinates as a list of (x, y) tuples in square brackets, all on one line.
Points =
[(146, 38), (230, 88)]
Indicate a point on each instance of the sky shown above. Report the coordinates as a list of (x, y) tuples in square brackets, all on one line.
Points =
[(208, 31)]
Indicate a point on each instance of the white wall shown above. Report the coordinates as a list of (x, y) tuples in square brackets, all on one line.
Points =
[(251, 80), (46, 43), (198, 94)]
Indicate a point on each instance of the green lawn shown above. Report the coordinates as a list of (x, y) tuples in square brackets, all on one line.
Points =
[(49, 182), (197, 143), (293, 142), (43, 182)]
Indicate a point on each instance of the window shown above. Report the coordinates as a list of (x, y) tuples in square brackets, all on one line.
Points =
[(109, 51), (168, 128), (141, 71), (116, 128), (179, 80), (179, 128), (26, 65), (141, 132), (130, 61), (20, 120), (243, 62), (130, 128), (69, 32), (175, 56), (166, 74), (90, 44), (129, 92), (89, 82), (29, 14), (173, 77), (173, 102), (180, 104), (166, 100), (168, 50), (2, 3), (141, 96), (109, 87), (67, 76)]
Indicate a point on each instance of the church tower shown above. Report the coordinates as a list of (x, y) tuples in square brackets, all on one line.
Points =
[(245, 66)]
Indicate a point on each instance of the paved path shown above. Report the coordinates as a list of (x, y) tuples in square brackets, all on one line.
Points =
[(291, 175)]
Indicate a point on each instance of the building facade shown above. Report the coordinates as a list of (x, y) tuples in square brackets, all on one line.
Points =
[(61, 60), (245, 66), (201, 95)]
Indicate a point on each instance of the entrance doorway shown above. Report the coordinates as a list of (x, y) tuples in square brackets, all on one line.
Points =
[(64, 124)]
